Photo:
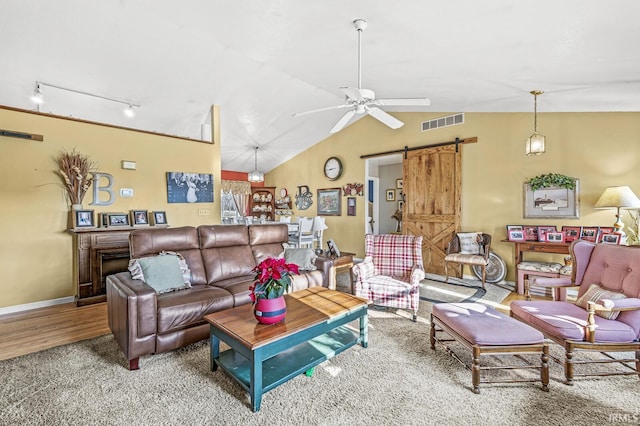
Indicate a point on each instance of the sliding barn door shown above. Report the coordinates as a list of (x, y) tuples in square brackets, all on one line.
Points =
[(431, 188)]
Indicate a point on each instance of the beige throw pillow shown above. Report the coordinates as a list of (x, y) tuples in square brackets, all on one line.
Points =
[(469, 243), (595, 293)]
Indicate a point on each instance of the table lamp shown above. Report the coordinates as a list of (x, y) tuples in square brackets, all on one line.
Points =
[(318, 228), (618, 197)]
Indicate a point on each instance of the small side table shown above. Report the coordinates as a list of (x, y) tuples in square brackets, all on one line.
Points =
[(343, 264)]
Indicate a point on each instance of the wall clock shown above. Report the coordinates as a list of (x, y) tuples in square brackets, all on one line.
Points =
[(333, 168)]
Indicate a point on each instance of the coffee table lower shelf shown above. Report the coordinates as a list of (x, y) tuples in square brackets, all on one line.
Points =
[(290, 363)]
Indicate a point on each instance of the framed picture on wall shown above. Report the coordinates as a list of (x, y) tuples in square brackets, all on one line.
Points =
[(351, 206), (329, 202), (159, 218), (399, 183), (391, 195), (551, 202)]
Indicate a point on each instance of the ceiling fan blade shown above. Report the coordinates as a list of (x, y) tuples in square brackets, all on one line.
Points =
[(298, 114), (342, 122), (387, 119), (404, 102)]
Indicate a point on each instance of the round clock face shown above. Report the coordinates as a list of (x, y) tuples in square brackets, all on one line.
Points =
[(333, 168)]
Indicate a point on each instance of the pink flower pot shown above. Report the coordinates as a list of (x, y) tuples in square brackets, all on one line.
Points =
[(270, 311)]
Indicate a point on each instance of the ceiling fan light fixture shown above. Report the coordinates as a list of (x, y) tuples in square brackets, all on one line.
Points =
[(255, 175), (536, 143)]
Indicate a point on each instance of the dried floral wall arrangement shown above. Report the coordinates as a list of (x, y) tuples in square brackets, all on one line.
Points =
[(75, 170)]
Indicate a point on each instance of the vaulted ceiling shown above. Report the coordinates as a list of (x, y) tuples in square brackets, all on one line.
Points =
[(262, 60)]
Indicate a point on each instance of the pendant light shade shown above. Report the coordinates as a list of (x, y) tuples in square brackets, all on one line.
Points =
[(256, 175), (535, 145)]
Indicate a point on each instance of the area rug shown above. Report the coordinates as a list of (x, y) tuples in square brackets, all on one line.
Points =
[(397, 380)]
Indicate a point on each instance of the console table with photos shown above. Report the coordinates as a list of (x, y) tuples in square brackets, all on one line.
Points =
[(537, 247)]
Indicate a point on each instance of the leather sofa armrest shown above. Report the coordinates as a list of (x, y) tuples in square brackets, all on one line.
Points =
[(325, 265), (132, 310)]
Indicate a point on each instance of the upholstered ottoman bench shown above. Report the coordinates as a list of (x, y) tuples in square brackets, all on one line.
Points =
[(485, 331)]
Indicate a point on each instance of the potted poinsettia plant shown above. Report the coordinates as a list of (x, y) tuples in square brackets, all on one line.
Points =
[(273, 278)]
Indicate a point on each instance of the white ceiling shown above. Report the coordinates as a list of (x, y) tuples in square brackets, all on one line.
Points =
[(262, 60)]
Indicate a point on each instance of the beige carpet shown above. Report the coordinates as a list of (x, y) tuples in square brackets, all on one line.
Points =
[(398, 380)]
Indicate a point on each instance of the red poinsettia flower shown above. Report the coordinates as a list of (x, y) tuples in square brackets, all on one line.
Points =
[(273, 278)]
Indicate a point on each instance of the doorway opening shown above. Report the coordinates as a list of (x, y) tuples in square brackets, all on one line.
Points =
[(383, 177)]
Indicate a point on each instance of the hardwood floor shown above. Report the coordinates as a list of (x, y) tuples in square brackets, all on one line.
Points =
[(39, 329)]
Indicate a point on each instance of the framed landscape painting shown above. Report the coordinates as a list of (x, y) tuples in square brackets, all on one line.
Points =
[(551, 202)]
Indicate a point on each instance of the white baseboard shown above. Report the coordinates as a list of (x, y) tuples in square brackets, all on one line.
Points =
[(36, 305)]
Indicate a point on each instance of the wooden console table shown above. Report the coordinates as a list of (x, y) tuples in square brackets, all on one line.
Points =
[(343, 264), (538, 247)]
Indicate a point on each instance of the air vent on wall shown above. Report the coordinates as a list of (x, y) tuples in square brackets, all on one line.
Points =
[(449, 120)]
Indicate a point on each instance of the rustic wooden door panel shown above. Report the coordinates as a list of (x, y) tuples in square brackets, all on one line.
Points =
[(431, 181)]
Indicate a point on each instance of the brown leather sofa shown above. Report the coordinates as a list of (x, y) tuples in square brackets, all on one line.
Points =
[(220, 257)]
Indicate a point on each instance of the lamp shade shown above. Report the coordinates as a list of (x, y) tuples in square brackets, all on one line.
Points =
[(318, 224), (618, 197), (255, 176), (535, 144)]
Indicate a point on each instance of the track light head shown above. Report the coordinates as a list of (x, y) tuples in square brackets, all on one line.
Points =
[(37, 95), (129, 112)]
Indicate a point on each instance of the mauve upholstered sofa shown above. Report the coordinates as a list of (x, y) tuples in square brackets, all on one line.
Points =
[(221, 259)]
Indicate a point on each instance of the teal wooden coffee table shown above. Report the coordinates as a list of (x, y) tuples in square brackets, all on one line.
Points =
[(262, 357)]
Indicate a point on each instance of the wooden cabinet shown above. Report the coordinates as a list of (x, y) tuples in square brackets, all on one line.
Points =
[(263, 202)]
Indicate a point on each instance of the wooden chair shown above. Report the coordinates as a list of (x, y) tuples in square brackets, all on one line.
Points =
[(606, 315), (471, 248), (304, 235)]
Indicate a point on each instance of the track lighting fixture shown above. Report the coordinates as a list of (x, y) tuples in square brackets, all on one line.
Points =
[(38, 98)]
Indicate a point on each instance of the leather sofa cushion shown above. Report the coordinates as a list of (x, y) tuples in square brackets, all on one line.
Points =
[(183, 240), (238, 287), (185, 308), (266, 240)]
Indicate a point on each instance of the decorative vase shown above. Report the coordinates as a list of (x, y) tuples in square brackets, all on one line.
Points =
[(270, 311)]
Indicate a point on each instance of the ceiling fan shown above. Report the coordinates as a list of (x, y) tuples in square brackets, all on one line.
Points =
[(360, 101)]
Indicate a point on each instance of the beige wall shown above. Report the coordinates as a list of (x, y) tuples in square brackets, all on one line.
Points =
[(601, 149), (35, 247)]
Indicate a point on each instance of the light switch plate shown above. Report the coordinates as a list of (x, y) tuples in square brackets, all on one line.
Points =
[(128, 165), (126, 192)]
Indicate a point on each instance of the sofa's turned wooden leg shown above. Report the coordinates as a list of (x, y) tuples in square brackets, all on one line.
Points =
[(475, 370), (568, 365), (638, 363), (415, 316), (544, 370), (134, 364), (432, 334)]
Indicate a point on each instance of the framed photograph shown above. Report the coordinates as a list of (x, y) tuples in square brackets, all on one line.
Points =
[(83, 219), (555, 237), (530, 233), (391, 195), (351, 206), (516, 235), (329, 202), (333, 248), (543, 230), (159, 218), (399, 183), (571, 233), (610, 238), (139, 217), (603, 230), (552, 202), (117, 219), (514, 228), (400, 205), (589, 233), (189, 187)]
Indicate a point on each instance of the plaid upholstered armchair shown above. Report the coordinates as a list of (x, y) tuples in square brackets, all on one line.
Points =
[(391, 272)]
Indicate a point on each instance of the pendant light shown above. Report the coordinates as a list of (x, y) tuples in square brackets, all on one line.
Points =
[(256, 175), (536, 143)]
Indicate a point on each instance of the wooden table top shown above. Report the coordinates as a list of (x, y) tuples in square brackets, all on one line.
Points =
[(305, 308)]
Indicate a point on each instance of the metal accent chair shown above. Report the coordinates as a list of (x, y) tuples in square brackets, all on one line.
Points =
[(304, 235), (606, 315), (391, 271), (470, 248)]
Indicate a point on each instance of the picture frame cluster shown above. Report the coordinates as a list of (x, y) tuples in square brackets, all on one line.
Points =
[(135, 218), (567, 234)]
